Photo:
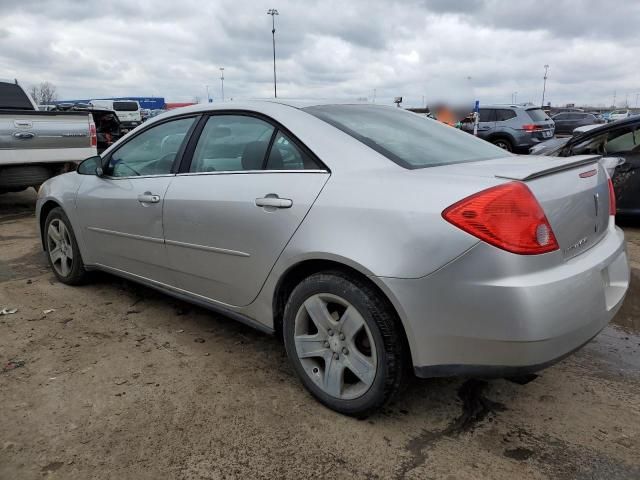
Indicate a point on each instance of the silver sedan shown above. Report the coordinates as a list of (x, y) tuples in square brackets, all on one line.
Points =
[(368, 238)]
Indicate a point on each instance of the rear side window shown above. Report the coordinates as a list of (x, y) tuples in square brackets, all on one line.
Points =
[(505, 114), (125, 106), (410, 140), (232, 143), (285, 155), (537, 115), (12, 97)]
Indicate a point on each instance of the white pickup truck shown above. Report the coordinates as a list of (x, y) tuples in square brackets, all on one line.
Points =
[(37, 145)]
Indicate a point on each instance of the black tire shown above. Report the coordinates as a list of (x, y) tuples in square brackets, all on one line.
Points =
[(77, 274), (382, 324), (503, 143)]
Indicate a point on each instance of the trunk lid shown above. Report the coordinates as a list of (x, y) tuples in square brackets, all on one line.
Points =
[(573, 192)]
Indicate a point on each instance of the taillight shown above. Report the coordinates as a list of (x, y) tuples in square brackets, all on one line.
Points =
[(93, 136), (530, 127), (507, 216), (612, 199)]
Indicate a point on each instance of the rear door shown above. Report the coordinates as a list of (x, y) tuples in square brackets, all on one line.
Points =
[(121, 212), (486, 122), (230, 214)]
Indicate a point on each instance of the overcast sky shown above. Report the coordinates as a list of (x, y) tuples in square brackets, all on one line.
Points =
[(437, 49)]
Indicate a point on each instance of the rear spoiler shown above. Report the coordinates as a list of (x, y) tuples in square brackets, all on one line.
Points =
[(558, 165)]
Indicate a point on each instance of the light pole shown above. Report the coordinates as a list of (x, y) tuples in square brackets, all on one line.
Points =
[(514, 97), (273, 12), (208, 96), (544, 85), (222, 81)]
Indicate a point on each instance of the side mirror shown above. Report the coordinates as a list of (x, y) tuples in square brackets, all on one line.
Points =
[(610, 164), (91, 166)]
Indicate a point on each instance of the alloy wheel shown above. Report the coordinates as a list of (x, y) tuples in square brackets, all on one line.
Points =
[(60, 247), (335, 346)]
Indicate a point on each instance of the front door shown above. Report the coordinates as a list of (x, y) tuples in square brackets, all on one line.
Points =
[(227, 220), (122, 211)]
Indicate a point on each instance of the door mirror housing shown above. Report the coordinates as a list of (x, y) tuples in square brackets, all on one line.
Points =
[(91, 166)]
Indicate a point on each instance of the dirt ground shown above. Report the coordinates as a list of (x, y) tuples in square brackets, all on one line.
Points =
[(118, 381)]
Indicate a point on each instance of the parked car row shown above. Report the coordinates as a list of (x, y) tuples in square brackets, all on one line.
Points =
[(512, 127)]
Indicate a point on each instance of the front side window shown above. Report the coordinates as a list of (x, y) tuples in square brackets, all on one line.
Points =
[(487, 115), (410, 140), (232, 143), (152, 152), (285, 155)]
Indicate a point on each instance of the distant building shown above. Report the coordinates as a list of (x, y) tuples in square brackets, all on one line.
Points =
[(171, 106)]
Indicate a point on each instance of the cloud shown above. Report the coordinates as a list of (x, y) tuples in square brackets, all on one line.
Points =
[(434, 49)]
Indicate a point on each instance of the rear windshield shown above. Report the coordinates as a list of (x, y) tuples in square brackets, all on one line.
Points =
[(125, 106), (12, 97), (408, 139), (537, 115)]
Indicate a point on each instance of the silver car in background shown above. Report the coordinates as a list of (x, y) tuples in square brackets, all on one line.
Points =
[(369, 238)]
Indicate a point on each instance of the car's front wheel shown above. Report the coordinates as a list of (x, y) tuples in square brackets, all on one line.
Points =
[(62, 249), (344, 342)]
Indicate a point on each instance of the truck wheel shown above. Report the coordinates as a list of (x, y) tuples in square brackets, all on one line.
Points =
[(16, 179)]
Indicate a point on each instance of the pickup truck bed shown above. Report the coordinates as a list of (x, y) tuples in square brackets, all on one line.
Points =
[(37, 145)]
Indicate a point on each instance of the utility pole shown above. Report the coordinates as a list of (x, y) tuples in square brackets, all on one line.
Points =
[(208, 96), (514, 97), (222, 81), (273, 12), (544, 85)]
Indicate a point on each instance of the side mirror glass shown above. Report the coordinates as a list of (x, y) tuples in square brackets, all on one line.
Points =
[(91, 166)]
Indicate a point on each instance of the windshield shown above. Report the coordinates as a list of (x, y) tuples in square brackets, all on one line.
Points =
[(410, 140), (125, 106), (537, 115)]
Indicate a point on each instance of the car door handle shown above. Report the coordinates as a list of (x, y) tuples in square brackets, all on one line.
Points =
[(24, 135), (148, 197), (274, 201)]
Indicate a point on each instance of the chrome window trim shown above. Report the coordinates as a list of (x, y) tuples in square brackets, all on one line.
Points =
[(244, 172), (109, 177)]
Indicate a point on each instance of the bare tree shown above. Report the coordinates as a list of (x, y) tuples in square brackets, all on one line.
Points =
[(44, 94), (35, 94)]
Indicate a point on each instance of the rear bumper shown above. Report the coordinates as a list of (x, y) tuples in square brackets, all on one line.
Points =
[(492, 313)]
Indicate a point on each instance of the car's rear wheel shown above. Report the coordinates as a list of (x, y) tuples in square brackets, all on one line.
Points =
[(343, 341), (503, 143), (62, 249)]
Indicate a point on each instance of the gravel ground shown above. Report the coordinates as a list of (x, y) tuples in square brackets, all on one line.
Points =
[(118, 381)]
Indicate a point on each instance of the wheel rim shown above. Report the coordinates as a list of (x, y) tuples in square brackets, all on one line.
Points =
[(59, 247), (502, 145), (335, 346)]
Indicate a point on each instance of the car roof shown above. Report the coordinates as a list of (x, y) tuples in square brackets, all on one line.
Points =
[(607, 127), (510, 105)]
